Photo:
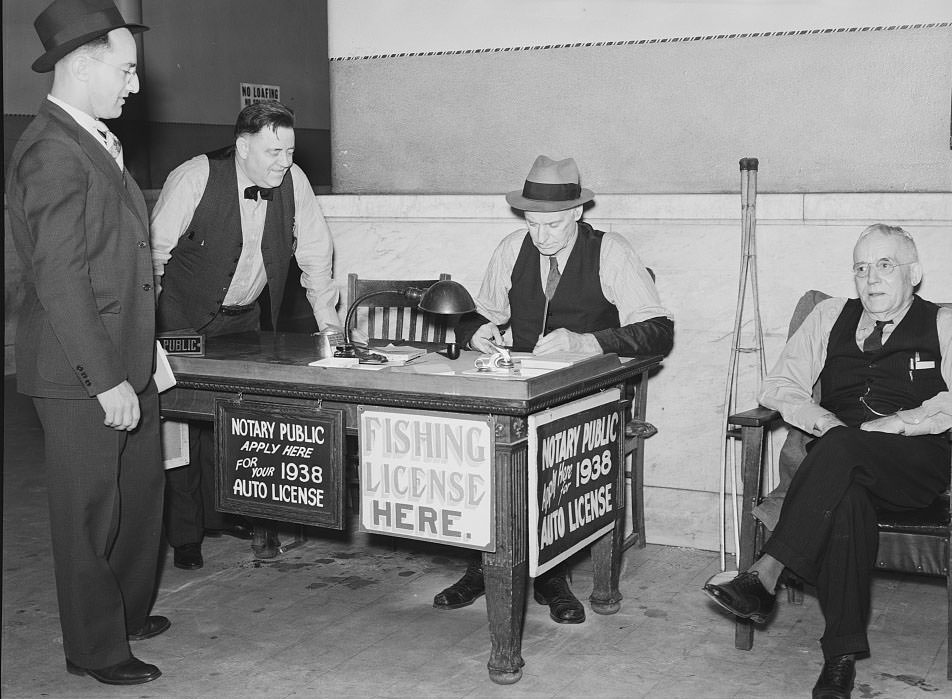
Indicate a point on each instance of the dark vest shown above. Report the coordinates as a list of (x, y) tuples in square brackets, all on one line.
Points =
[(204, 260), (887, 380), (578, 304)]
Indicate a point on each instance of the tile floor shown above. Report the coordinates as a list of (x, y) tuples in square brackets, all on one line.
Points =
[(349, 615)]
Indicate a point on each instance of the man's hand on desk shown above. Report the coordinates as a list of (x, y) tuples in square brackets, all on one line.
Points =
[(484, 335), (563, 340)]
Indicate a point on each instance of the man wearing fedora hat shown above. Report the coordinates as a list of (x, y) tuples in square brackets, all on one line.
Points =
[(85, 344), (560, 285)]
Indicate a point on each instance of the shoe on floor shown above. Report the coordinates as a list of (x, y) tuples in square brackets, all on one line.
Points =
[(744, 596), (836, 678), (464, 591), (238, 529), (188, 556), (564, 607), (152, 627), (131, 671)]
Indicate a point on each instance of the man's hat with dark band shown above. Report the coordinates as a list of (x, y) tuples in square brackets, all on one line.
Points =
[(550, 186), (66, 25)]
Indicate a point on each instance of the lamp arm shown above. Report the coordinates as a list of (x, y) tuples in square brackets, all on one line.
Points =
[(352, 309)]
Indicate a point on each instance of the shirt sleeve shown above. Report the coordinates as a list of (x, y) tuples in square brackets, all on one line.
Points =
[(934, 416), (627, 283), (315, 251), (492, 302), (788, 388), (172, 213)]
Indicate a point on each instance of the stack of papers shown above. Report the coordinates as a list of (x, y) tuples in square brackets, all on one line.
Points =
[(554, 360), (399, 354)]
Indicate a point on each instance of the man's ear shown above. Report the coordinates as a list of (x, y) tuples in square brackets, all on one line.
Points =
[(241, 147), (78, 65), (577, 212), (915, 273)]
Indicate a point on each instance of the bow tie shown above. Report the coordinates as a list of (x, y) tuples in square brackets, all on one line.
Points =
[(254, 191)]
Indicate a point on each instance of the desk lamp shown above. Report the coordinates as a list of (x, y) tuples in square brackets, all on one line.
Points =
[(445, 297)]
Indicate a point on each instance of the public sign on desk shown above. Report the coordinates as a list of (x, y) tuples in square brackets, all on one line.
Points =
[(281, 462), (574, 455), (427, 475)]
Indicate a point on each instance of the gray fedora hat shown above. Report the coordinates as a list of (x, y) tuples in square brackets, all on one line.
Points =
[(552, 185), (65, 25)]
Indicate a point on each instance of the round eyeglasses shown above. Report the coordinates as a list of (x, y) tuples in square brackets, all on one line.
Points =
[(884, 267)]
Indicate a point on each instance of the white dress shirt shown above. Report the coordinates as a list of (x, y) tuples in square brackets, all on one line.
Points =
[(180, 197)]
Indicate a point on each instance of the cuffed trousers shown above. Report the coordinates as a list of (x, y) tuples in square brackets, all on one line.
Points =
[(827, 531)]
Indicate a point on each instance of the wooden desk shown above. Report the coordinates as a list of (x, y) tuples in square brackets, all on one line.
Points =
[(272, 367)]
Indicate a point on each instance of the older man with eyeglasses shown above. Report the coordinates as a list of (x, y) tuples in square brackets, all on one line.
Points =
[(884, 363)]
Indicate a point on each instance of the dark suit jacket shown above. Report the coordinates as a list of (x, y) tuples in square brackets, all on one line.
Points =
[(81, 230)]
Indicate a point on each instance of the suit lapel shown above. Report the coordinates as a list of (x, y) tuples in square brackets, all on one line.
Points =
[(100, 158)]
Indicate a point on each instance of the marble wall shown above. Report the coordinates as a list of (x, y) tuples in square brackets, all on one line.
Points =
[(692, 242)]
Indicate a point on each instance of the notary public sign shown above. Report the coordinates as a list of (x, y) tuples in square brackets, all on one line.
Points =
[(575, 452), (427, 475), (185, 344), (280, 461)]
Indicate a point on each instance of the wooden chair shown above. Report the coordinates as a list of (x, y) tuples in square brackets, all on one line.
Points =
[(909, 542), (393, 316)]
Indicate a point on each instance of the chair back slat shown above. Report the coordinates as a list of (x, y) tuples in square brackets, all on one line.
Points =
[(393, 316)]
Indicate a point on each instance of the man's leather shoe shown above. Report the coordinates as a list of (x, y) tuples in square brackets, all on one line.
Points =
[(564, 607), (464, 591), (836, 678), (239, 530), (131, 671), (188, 556), (152, 627), (744, 596)]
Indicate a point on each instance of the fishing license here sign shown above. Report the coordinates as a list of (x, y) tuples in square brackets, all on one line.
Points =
[(575, 452), (427, 475)]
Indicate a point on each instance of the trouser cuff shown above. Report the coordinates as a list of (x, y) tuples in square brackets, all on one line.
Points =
[(856, 644)]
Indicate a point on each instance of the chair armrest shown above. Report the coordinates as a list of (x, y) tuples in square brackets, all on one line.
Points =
[(758, 417)]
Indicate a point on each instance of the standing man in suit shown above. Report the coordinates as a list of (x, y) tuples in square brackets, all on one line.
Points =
[(85, 344), (225, 227)]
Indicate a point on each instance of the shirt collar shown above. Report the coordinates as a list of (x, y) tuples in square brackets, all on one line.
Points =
[(867, 321), (85, 120)]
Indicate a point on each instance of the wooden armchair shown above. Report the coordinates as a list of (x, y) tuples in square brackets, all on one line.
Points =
[(909, 542), (393, 316)]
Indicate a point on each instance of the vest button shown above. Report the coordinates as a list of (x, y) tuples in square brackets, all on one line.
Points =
[(142, 243), (147, 287)]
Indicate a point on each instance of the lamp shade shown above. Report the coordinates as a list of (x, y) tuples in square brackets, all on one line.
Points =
[(447, 297)]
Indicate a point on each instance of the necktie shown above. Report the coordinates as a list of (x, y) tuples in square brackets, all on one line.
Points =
[(874, 342), (552, 281), (109, 139), (253, 192)]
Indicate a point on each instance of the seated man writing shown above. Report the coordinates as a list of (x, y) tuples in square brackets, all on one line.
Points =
[(884, 362), (560, 285)]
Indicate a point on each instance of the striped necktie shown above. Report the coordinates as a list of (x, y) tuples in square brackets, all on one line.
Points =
[(109, 140), (552, 281)]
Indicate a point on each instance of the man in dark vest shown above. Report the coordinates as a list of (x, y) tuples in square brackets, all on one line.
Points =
[(884, 363), (224, 229), (560, 285)]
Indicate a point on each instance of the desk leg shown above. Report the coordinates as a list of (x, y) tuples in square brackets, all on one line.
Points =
[(506, 570), (606, 551)]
